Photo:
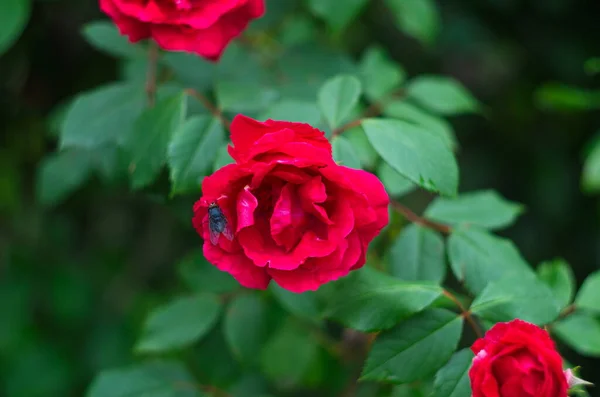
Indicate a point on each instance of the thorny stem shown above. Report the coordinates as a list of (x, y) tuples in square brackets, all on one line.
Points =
[(151, 73), (209, 106), (466, 314), (419, 220)]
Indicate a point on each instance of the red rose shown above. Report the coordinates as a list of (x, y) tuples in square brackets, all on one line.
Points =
[(298, 217), (517, 359), (204, 27)]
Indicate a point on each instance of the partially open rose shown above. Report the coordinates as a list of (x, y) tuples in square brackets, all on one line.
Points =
[(297, 217), (204, 27), (517, 359)]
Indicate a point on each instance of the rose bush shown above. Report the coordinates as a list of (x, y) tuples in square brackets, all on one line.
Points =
[(517, 359), (298, 217), (204, 27)]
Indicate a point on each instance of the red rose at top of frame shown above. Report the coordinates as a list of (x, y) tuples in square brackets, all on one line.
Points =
[(297, 217), (517, 359), (204, 27)]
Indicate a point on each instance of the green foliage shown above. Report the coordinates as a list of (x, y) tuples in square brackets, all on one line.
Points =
[(581, 331), (477, 258), (414, 152), (588, 296), (153, 379), (380, 75), (414, 349), (557, 274), (192, 152), (246, 327), (344, 154), (336, 17), (419, 19), (517, 295), (201, 276), (370, 301), (418, 254), (119, 104), (179, 323), (125, 281), (453, 379), (442, 95), (337, 98), (105, 36), (563, 97), (14, 15), (590, 180), (146, 145), (486, 209)]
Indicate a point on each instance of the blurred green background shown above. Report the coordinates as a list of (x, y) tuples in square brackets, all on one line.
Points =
[(77, 280)]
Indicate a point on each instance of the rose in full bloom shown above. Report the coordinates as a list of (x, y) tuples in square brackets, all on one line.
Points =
[(517, 359), (204, 27), (297, 217)]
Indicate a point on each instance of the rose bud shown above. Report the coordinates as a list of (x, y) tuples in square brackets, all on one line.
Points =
[(204, 27), (517, 359), (293, 214)]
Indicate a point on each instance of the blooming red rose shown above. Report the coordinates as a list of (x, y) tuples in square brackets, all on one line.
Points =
[(204, 27), (517, 359), (298, 217)]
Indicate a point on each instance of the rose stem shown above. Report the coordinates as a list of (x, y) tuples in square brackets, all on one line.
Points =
[(208, 105)]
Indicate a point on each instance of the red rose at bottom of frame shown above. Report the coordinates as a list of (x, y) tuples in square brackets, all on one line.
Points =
[(296, 216), (517, 359)]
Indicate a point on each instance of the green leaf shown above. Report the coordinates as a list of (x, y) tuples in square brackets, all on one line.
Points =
[(415, 348), (484, 208), (288, 355), (418, 255), (344, 153), (368, 300), (192, 152), (588, 296), (518, 295), (362, 147), (590, 180), (380, 75), (303, 305), (190, 69), (244, 97), (414, 152), (105, 36), (395, 184), (337, 97), (60, 174), (417, 18), (557, 274), (153, 379), (146, 146), (477, 257), (442, 95), (246, 327), (201, 276), (453, 379), (14, 15), (213, 362), (179, 323), (223, 158), (337, 17), (405, 111), (558, 96), (581, 331), (295, 111), (119, 105)]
